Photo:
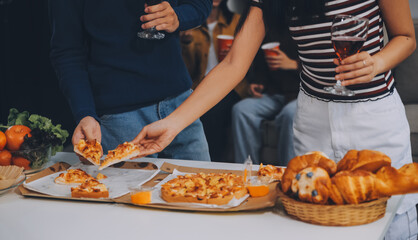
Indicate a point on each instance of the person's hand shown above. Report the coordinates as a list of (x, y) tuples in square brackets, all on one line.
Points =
[(154, 137), (87, 129), (161, 16), (256, 90), (355, 69), (281, 61)]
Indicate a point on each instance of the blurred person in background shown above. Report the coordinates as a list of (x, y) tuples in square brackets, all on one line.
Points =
[(201, 53), (115, 82), (273, 89)]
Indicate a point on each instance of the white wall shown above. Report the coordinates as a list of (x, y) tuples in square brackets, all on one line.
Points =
[(236, 6), (413, 4)]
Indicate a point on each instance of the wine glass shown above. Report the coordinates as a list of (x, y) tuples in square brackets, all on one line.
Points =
[(151, 33), (348, 34)]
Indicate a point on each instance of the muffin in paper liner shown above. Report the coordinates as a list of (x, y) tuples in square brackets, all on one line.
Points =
[(9, 175)]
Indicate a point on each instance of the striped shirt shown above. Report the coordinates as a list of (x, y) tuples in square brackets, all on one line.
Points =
[(316, 52)]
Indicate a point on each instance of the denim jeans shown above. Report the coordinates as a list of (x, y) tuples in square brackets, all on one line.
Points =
[(247, 116), (190, 144)]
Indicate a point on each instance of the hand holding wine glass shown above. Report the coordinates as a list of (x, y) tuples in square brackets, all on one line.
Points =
[(160, 16), (348, 34)]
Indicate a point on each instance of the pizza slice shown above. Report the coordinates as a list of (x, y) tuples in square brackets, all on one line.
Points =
[(90, 150), (123, 152), (272, 172), (73, 176), (90, 189)]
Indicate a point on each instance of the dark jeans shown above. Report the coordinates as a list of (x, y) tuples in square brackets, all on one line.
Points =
[(217, 126)]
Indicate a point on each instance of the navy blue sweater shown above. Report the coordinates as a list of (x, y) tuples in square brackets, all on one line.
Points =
[(104, 68)]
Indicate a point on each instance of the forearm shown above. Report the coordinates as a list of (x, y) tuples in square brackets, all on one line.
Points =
[(192, 13), (225, 76), (396, 51), (69, 55), (400, 28)]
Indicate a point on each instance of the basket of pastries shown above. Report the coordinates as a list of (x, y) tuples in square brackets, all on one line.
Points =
[(355, 191)]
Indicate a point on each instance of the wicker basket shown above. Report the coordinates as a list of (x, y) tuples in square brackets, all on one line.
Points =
[(334, 215)]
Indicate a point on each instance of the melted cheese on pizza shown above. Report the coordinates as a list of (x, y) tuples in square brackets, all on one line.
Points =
[(122, 150), (271, 171), (73, 176), (204, 186), (90, 150)]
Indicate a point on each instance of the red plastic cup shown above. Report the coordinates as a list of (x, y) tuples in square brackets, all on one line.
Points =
[(224, 43), (269, 48)]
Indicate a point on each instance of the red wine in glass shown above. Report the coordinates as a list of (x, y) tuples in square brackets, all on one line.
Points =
[(346, 46), (151, 33), (348, 34)]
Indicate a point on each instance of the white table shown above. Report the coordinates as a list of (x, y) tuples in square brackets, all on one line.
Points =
[(37, 218)]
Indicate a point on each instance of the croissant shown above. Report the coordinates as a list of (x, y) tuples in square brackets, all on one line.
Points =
[(359, 186), (354, 187), (314, 159), (363, 160)]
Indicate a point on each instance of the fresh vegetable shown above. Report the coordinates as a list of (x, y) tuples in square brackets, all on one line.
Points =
[(15, 136), (5, 158), (34, 121), (35, 147), (2, 140)]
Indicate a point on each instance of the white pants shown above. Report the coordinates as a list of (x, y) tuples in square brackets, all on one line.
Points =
[(334, 128)]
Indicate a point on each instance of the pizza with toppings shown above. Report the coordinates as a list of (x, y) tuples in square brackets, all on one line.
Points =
[(90, 189), (73, 176), (123, 152), (90, 150), (211, 188), (270, 171)]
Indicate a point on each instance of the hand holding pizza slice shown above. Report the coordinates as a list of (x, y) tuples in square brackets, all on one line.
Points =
[(90, 150)]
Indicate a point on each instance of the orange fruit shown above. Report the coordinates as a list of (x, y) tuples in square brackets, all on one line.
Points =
[(15, 136), (21, 162), (2, 140), (258, 190), (141, 197), (5, 158)]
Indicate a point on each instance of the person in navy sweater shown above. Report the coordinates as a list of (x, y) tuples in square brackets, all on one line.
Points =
[(117, 83)]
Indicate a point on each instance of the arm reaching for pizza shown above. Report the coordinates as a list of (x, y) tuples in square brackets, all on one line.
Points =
[(158, 135)]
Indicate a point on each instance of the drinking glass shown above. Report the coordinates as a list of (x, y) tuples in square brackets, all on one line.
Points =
[(348, 34), (151, 33)]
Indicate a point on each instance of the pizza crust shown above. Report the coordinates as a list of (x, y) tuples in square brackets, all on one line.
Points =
[(122, 153)]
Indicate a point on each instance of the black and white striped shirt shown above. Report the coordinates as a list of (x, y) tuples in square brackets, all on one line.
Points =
[(316, 52)]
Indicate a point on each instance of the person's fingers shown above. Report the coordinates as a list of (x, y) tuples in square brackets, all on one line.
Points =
[(337, 61), (355, 74), (354, 66), (355, 58), (88, 132), (77, 136), (362, 79), (153, 23), (141, 135), (156, 8)]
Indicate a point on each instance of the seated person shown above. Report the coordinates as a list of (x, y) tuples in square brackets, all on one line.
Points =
[(200, 53), (273, 88)]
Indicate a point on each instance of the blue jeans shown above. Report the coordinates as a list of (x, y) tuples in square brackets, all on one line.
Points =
[(247, 116), (190, 144)]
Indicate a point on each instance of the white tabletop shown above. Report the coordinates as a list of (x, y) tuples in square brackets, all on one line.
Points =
[(38, 218)]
